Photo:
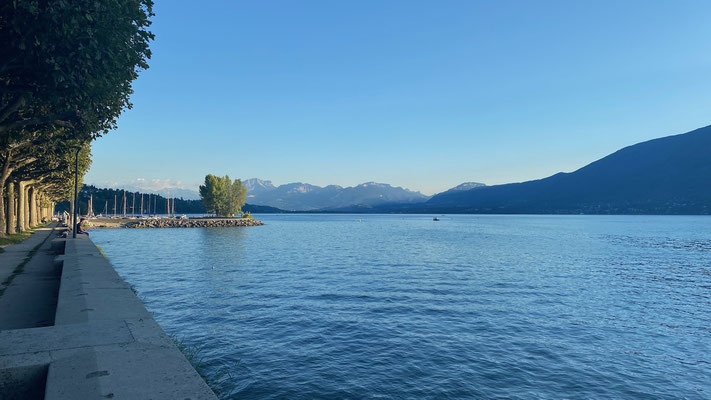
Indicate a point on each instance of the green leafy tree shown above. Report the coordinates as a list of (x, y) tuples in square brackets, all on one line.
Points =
[(70, 63), (66, 73), (211, 193), (236, 196), (222, 195)]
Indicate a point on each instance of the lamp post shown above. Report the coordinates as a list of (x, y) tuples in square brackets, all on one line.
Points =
[(76, 193)]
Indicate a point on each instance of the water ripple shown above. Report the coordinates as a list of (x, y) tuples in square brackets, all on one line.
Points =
[(401, 307)]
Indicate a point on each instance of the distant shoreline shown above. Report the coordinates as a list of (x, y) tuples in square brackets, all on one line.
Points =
[(165, 222)]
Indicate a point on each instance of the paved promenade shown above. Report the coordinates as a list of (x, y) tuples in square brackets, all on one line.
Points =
[(15, 254), (89, 337), (27, 271)]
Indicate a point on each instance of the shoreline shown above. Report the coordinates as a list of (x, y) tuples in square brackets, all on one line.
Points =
[(99, 341), (165, 222)]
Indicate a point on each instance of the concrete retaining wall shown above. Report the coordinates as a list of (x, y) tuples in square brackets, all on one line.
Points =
[(104, 345)]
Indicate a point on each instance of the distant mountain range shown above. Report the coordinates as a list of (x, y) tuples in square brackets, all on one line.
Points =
[(464, 186), (670, 175), (305, 197)]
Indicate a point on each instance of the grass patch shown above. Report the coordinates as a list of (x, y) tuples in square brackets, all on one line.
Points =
[(14, 238), (222, 381), (18, 270)]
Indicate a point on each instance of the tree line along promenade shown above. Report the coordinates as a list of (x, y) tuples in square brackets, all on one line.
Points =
[(66, 74)]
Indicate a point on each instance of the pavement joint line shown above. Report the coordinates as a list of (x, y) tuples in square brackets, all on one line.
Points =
[(130, 332), (121, 346), (87, 346), (106, 346)]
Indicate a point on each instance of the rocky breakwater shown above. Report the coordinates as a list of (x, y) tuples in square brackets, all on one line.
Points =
[(192, 223)]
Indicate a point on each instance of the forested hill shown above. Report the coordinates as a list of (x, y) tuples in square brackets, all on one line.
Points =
[(670, 175), (104, 198)]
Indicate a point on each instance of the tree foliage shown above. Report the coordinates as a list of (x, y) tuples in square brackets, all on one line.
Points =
[(222, 195), (66, 73), (70, 63)]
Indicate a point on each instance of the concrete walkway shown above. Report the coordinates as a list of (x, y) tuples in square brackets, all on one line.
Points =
[(102, 342), (29, 297), (15, 254)]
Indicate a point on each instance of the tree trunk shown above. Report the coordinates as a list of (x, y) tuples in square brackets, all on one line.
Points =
[(20, 206), (32, 197), (41, 210), (39, 206), (26, 208), (45, 209), (4, 174), (11, 204), (3, 222)]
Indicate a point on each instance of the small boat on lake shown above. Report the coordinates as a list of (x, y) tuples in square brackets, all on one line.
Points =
[(435, 219)]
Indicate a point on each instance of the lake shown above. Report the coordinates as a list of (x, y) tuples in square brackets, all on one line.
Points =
[(403, 307)]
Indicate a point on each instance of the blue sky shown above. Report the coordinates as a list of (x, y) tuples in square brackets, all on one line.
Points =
[(420, 94)]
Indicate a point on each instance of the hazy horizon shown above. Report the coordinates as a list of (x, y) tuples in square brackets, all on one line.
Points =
[(157, 185)]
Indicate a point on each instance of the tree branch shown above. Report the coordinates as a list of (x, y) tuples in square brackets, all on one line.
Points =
[(6, 168), (25, 162), (22, 145), (12, 107)]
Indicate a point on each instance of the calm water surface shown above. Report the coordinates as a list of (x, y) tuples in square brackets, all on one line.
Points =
[(402, 307)]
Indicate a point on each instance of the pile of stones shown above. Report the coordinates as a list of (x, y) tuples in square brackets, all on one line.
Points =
[(192, 223)]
